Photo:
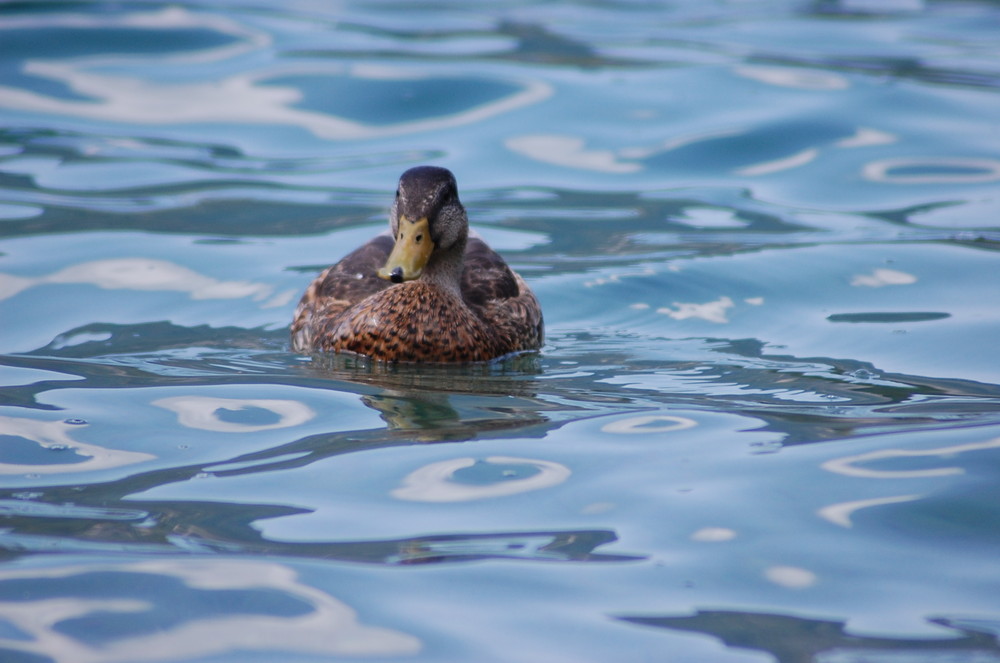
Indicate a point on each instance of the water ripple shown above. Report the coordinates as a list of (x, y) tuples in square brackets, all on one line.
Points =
[(765, 239)]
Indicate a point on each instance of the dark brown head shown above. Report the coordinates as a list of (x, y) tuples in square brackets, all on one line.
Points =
[(427, 220)]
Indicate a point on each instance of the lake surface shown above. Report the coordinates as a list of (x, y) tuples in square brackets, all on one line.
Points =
[(765, 425)]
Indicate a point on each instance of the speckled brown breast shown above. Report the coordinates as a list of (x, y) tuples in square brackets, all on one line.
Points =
[(413, 321), (349, 309)]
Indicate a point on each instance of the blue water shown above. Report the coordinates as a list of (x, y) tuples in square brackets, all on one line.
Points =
[(765, 425)]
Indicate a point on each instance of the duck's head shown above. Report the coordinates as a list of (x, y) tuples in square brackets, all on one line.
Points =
[(428, 223)]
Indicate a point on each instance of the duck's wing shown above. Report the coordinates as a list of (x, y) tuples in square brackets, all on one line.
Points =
[(486, 275), (501, 298), (339, 288)]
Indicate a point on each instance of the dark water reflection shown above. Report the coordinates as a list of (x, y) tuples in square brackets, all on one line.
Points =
[(797, 640)]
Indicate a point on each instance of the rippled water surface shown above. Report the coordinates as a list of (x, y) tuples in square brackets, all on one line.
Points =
[(765, 425)]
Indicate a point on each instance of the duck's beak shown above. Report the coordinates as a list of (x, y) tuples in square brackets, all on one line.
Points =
[(412, 251)]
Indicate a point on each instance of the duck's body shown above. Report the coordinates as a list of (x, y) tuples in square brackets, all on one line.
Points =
[(425, 292)]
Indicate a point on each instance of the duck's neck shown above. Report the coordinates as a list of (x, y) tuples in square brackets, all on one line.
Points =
[(444, 270)]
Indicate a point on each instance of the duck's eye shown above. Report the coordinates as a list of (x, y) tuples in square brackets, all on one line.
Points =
[(419, 238)]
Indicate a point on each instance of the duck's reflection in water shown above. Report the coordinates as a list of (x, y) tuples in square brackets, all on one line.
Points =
[(418, 404), (443, 403), (401, 410)]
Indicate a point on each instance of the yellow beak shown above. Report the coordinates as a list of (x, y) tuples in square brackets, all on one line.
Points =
[(410, 254)]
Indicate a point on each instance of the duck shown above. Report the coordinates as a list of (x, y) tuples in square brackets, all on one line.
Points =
[(426, 290)]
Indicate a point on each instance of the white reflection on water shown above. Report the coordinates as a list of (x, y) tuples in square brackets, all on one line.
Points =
[(202, 412), (714, 311), (778, 165), (840, 514), (569, 151), (881, 277), (54, 435), (848, 465), (713, 535), (678, 142), (618, 276), (867, 137), (328, 627), (701, 216), (791, 577), (436, 482), (244, 97), (651, 423), (146, 274), (799, 78)]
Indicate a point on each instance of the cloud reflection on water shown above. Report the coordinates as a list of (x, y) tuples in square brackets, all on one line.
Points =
[(200, 608), (219, 95), (57, 436)]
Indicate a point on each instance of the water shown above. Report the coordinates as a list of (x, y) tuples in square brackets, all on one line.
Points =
[(766, 421)]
